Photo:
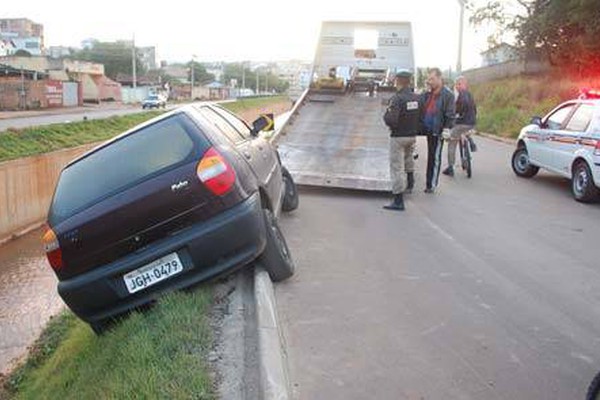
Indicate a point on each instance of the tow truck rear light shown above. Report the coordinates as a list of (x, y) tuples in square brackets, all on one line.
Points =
[(215, 172), (52, 248)]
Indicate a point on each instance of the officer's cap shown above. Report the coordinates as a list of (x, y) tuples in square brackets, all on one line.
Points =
[(404, 73)]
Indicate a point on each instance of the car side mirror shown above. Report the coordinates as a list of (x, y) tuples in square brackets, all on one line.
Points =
[(263, 123), (537, 121)]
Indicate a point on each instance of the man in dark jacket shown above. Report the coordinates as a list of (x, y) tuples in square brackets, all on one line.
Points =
[(438, 113), (466, 118), (402, 117)]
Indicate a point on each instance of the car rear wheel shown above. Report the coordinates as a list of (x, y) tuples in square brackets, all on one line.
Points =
[(521, 165), (290, 198), (582, 184), (276, 257)]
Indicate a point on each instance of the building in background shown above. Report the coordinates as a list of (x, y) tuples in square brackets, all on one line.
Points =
[(147, 56), (178, 72), (25, 34), (88, 43), (7, 48), (297, 73), (58, 51), (216, 69), (499, 54), (94, 86)]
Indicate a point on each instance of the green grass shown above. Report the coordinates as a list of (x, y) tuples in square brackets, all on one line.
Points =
[(17, 143), (505, 106), (254, 103), (157, 354)]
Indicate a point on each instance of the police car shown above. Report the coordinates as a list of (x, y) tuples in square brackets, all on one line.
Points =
[(566, 142)]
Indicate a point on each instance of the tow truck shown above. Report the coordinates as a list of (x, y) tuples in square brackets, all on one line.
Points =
[(337, 138)]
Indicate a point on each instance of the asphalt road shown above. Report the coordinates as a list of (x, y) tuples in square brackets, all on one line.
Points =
[(92, 113), (489, 289)]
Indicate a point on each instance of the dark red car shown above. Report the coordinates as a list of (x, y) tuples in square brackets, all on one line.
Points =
[(183, 198)]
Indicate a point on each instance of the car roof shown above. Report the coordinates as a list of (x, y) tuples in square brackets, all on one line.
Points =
[(180, 110), (595, 102)]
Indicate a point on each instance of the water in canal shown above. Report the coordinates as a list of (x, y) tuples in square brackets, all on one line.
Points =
[(28, 296)]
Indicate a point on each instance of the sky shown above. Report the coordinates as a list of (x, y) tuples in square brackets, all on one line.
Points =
[(257, 30)]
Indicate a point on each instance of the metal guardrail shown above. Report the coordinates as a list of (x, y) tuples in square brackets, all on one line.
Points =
[(281, 130)]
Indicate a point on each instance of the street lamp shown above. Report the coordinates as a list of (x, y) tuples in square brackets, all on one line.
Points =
[(192, 77), (460, 36), (133, 63)]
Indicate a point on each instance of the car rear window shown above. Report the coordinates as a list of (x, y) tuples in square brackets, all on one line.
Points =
[(130, 160)]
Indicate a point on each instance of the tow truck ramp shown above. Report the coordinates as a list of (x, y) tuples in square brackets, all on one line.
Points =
[(337, 138), (337, 141)]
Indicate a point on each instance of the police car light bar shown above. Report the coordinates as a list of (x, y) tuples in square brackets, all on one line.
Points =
[(590, 93)]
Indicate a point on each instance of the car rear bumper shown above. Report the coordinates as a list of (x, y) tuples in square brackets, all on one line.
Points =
[(206, 250)]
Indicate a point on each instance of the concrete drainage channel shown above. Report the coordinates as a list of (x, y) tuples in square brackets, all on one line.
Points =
[(249, 357)]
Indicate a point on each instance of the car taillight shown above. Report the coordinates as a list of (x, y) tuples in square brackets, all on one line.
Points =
[(597, 150), (216, 174), (52, 248)]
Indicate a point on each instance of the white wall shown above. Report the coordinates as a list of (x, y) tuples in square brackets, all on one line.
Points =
[(137, 95)]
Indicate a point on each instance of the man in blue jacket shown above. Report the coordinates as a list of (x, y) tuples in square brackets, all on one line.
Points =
[(438, 113), (466, 118)]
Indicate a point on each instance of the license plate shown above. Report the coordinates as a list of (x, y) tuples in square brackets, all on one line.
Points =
[(153, 273)]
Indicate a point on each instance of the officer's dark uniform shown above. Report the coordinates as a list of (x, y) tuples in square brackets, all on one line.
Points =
[(403, 142)]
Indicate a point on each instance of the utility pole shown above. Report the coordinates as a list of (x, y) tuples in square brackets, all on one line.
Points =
[(23, 101), (267, 82), (133, 63), (257, 82), (460, 36), (243, 75), (192, 78)]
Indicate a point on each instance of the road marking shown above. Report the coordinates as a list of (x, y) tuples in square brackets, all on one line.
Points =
[(439, 230)]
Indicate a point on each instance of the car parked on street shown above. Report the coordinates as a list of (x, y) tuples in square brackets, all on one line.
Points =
[(154, 101), (565, 142), (186, 197)]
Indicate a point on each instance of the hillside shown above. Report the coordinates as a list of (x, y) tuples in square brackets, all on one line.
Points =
[(505, 106)]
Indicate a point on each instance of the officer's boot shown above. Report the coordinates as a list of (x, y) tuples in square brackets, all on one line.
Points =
[(410, 182), (397, 204)]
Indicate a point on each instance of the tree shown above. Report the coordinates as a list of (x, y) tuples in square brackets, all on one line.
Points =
[(116, 57), (241, 72), (201, 77), (22, 53), (564, 31)]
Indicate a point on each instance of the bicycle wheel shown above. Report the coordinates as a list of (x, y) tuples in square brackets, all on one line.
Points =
[(467, 158)]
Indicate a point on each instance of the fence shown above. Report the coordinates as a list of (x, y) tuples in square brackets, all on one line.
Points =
[(505, 70), (24, 95)]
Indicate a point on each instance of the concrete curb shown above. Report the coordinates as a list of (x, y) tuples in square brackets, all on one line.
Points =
[(496, 138), (272, 357)]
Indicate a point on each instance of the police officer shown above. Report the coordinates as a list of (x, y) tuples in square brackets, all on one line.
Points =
[(402, 117)]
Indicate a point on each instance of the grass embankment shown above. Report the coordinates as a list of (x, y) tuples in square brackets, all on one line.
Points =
[(157, 354), (17, 143), (505, 106)]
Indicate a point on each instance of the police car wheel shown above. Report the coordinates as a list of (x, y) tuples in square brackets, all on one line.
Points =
[(521, 165), (582, 184)]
